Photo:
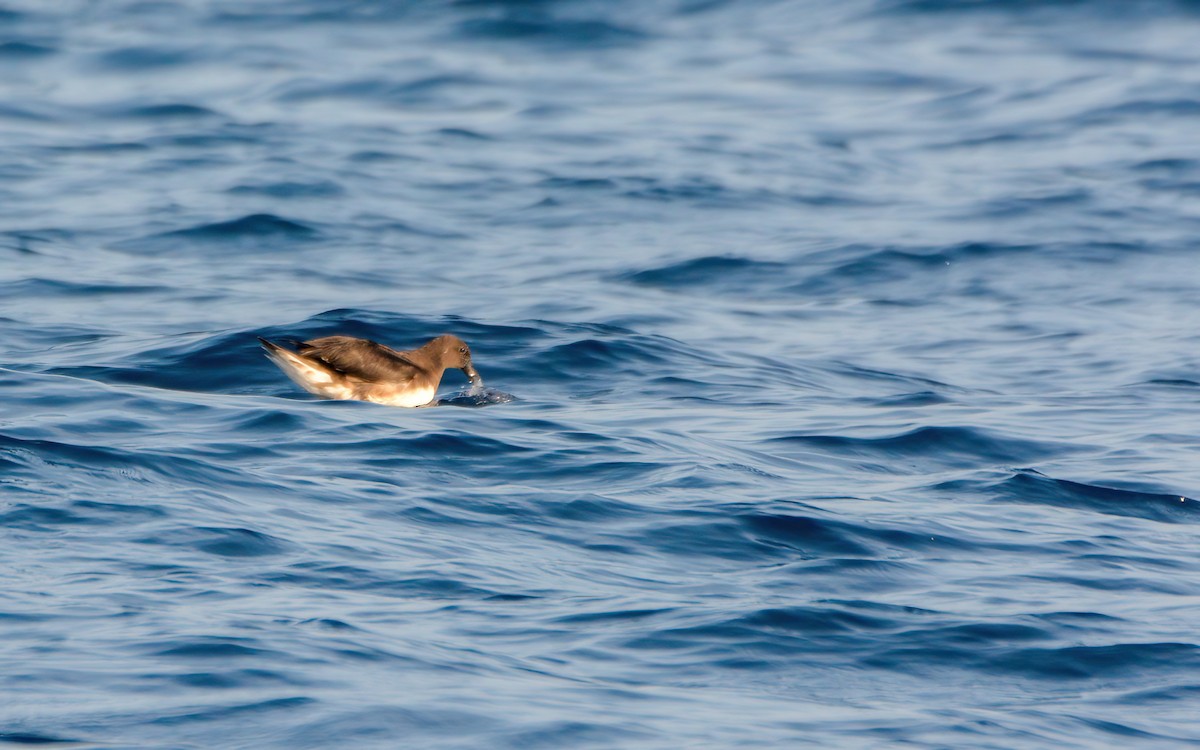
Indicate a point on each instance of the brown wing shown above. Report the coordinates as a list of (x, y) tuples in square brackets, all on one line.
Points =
[(360, 358)]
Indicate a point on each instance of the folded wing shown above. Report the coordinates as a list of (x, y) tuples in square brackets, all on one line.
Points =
[(360, 358)]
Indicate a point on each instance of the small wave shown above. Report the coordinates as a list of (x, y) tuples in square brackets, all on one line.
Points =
[(1172, 166), (987, 650), (376, 156), (86, 465), (795, 631), (66, 454), (1189, 187), (989, 138), (806, 535), (288, 190), (209, 648), (914, 399), (1167, 694), (814, 619), (717, 272), (215, 364), (1019, 206), (374, 580), (239, 711), (421, 90), (463, 134), (25, 51), (34, 738), (890, 80), (79, 512), (1172, 382), (253, 225), (434, 444), (1104, 8), (13, 112), (248, 678), (22, 241), (933, 447), (578, 183), (167, 111), (555, 33), (147, 57), (223, 542), (212, 140), (1098, 662), (1029, 486), (112, 148), (859, 266), (694, 189), (39, 287), (1141, 109), (266, 231), (759, 536)]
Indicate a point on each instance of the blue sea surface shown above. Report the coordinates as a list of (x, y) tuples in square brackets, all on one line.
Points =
[(855, 349)]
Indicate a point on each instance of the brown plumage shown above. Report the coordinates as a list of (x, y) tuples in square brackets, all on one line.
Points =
[(343, 367)]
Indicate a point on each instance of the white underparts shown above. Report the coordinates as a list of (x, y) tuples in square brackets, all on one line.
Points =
[(401, 397)]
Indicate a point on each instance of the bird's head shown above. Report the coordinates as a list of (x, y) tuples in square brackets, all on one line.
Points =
[(456, 354)]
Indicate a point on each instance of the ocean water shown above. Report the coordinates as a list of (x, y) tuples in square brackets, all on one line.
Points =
[(855, 349)]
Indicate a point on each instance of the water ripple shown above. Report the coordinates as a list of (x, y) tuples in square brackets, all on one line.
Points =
[(852, 346)]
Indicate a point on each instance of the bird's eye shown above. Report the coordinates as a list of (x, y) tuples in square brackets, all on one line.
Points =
[(462, 349)]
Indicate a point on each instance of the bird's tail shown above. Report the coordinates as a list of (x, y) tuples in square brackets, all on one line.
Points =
[(310, 375)]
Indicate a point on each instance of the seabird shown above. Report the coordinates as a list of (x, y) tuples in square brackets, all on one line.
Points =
[(344, 367)]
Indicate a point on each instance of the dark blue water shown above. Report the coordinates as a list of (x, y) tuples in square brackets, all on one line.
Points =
[(856, 348)]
